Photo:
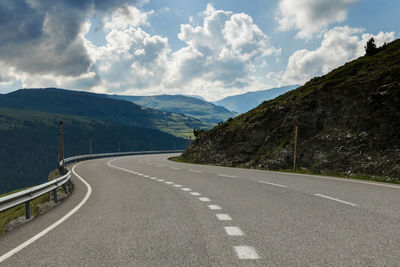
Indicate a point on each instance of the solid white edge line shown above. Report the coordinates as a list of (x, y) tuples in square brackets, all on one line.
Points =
[(279, 185), (54, 225), (336, 199)]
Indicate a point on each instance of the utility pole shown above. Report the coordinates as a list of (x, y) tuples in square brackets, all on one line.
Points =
[(62, 144), (59, 150), (295, 147)]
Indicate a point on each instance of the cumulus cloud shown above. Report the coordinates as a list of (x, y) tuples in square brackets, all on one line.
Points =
[(339, 45), (131, 58), (43, 37), (126, 16), (311, 16), (223, 51), (222, 54)]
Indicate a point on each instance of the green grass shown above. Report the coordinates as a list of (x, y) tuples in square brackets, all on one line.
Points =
[(19, 211)]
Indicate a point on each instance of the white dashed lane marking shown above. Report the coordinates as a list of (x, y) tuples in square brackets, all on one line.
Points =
[(336, 199), (225, 175), (242, 252), (214, 207), (278, 185), (224, 217), (233, 231), (246, 253)]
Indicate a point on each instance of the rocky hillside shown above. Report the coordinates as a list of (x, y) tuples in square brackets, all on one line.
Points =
[(349, 123)]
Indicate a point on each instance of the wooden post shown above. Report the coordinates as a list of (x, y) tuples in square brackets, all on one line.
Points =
[(90, 145), (295, 147), (119, 146)]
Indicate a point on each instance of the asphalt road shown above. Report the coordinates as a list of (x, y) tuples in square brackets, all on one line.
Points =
[(149, 211)]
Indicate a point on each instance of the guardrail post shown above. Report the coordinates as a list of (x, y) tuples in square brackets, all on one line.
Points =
[(55, 195), (27, 210), (65, 189)]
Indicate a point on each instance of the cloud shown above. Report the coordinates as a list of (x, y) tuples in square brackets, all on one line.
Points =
[(339, 45), (126, 16), (131, 58), (222, 54), (224, 51), (43, 37), (311, 16)]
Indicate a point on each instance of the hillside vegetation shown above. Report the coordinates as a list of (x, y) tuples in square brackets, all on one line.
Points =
[(186, 105), (28, 141), (96, 106), (349, 123)]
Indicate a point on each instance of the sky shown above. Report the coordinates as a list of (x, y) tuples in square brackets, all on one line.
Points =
[(212, 49)]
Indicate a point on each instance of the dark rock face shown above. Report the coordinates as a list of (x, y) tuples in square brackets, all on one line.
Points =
[(349, 123)]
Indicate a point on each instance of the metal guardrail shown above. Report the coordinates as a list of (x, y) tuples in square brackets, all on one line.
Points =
[(25, 196)]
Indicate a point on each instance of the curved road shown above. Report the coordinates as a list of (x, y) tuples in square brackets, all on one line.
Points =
[(149, 211)]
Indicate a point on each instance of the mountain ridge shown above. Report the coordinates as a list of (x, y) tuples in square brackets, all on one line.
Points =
[(96, 106), (181, 104), (242, 103)]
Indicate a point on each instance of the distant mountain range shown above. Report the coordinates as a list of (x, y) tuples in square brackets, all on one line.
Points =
[(97, 106), (247, 101), (187, 105)]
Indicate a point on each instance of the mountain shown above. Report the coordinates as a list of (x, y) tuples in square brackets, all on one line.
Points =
[(29, 143), (349, 123), (97, 106), (247, 101), (190, 106)]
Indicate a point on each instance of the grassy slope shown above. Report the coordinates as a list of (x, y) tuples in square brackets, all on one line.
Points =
[(28, 141), (189, 106), (349, 122)]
